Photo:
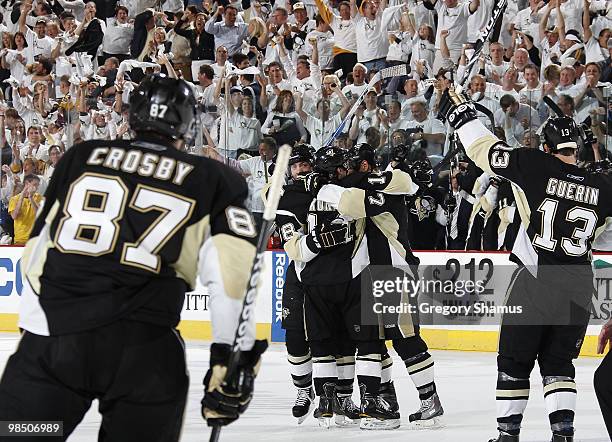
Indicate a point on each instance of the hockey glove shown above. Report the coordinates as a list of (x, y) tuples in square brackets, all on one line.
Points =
[(225, 400), (313, 182), (456, 109), (329, 235)]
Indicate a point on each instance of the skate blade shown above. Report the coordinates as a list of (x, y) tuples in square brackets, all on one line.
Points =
[(427, 424), (325, 422), (371, 423), (343, 421), (303, 418)]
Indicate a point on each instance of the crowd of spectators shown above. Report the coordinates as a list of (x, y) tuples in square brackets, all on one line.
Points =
[(267, 74)]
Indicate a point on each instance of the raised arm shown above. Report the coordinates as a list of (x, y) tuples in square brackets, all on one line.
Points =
[(354, 9), (326, 14), (26, 7), (474, 5), (544, 19), (298, 106), (586, 21), (346, 105), (560, 20)]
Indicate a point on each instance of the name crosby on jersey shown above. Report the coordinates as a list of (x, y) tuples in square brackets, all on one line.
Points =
[(572, 191), (144, 164)]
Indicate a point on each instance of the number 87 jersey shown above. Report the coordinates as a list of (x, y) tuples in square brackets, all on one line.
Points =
[(562, 207), (124, 231)]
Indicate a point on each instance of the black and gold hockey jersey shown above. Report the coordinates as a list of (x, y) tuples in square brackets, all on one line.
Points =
[(125, 229), (562, 207)]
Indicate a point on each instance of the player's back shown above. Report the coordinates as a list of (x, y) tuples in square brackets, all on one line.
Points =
[(563, 203), (119, 235)]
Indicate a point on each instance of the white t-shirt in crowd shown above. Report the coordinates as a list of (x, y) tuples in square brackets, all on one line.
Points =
[(319, 132), (454, 20), (117, 37)]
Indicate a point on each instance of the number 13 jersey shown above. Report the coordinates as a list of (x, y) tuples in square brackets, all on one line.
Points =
[(124, 231), (563, 207)]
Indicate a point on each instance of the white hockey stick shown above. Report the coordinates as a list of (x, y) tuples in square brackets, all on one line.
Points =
[(248, 305)]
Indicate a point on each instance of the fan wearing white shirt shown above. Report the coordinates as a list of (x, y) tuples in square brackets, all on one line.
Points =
[(118, 35), (433, 131), (17, 59), (596, 49), (354, 90), (256, 170), (531, 94), (324, 42), (371, 21), (453, 17), (365, 117), (273, 87), (322, 125), (345, 40), (245, 128), (41, 44)]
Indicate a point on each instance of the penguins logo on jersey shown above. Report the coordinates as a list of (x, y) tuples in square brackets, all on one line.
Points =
[(423, 207)]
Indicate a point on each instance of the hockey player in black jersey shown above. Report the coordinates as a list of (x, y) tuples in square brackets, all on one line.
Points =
[(379, 200), (329, 262), (292, 217), (561, 206), (126, 228)]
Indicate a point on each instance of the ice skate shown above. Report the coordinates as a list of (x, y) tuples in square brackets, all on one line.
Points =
[(428, 416), (304, 402), (376, 414), (505, 437), (325, 411), (562, 438), (387, 392), (345, 411)]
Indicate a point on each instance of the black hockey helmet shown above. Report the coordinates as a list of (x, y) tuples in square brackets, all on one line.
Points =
[(421, 172), (359, 153), (164, 106), (328, 159), (301, 152), (560, 133)]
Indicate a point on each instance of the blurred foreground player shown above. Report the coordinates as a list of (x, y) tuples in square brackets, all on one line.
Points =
[(561, 207), (125, 229)]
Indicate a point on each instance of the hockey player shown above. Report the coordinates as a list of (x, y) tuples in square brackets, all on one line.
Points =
[(126, 228), (379, 200), (292, 217), (561, 207), (329, 261)]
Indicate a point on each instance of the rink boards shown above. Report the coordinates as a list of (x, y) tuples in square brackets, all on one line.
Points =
[(444, 335)]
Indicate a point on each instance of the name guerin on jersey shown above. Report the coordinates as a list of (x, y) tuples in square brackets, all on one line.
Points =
[(572, 191), (144, 164)]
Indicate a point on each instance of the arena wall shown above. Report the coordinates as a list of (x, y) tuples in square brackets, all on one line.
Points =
[(195, 322)]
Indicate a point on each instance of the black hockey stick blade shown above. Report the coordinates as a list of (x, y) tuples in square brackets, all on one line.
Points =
[(248, 304)]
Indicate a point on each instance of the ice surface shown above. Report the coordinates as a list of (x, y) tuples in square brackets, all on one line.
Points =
[(466, 384)]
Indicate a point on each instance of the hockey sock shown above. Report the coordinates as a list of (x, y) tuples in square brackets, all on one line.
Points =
[(300, 361), (387, 365), (368, 369), (421, 371), (560, 398), (345, 366), (511, 399), (301, 370), (323, 372)]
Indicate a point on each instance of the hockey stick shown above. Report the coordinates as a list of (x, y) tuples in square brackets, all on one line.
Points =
[(485, 34), (393, 71), (553, 106), (248, 305)]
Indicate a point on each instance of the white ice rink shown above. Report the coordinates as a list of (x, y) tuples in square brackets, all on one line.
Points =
[(466, 383)]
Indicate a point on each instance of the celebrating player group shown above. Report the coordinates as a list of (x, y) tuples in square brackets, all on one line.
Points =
[(128, 226)]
